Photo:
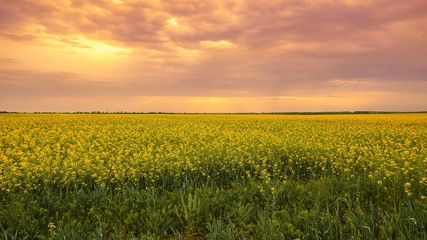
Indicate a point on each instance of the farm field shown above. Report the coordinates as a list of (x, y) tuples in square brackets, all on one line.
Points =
[(183, 176)]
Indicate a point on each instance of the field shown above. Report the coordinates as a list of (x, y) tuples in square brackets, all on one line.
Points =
[(152, 176)]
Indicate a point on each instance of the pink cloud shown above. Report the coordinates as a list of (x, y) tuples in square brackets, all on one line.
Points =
[(219, 49)]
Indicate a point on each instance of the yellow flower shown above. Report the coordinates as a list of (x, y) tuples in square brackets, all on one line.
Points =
[(407, 185), (51, 226)]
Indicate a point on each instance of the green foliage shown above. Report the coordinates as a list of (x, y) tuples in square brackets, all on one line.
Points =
[(295, 209), (213, 177)]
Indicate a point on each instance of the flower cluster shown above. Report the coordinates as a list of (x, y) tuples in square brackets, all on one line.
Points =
[(163, 150)]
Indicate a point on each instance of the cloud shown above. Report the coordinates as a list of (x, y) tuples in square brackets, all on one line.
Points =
[(213, 49), (352, 82)]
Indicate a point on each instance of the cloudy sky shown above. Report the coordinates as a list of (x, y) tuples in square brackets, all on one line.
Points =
[(213, 55)]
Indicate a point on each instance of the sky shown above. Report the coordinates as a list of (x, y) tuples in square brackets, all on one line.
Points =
[(213, 55)]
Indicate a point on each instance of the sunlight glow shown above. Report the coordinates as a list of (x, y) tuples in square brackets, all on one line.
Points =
[(172, 22), (98, 48), (217, 44)]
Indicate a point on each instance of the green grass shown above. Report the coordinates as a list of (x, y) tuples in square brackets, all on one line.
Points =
[(329, 208)]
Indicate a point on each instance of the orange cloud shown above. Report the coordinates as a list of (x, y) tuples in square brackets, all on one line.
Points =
[(214, 53)]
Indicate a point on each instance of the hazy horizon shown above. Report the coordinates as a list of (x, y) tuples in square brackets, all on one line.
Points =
[(213, 56)]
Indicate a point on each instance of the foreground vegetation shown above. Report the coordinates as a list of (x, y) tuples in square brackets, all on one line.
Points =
[(213, 176)]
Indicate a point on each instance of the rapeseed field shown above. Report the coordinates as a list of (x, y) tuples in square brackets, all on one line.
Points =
[(201, 176)]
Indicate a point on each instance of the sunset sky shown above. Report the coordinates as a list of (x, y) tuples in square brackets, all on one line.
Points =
[(213, 56)]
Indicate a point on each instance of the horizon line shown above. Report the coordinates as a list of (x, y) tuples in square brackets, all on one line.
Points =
[(214, 113)]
